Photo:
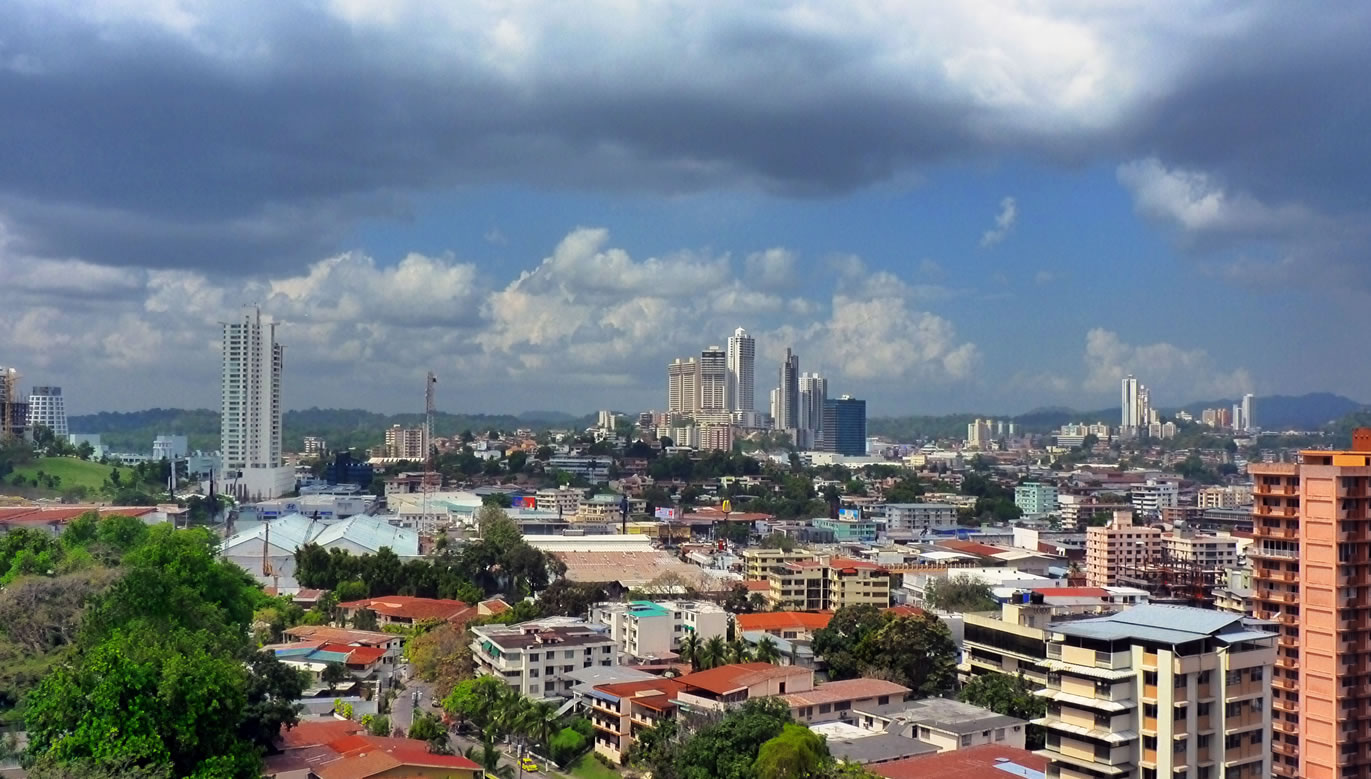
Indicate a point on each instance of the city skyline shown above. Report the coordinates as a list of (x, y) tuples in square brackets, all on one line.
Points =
[(943, 217)]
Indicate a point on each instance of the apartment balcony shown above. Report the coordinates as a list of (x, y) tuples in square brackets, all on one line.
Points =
[(1276, 596), (1243, 754), (1288, 663), (1245, 721), (1281, 726)]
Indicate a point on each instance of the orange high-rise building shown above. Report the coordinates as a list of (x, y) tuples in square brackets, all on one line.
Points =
[(1312, 576)]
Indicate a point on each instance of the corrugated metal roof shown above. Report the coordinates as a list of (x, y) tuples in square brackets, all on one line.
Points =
[(371, 533), (1153, 622)]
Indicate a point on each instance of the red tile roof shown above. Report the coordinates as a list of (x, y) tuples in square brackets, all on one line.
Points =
[(409, 607), (43, 514), (342, 635), (757, 585), (905, 611), (845, 690), (313, 733), (844, 562), (784, 620), (493, 606), (357, 655), (728, 678), (365, 756), (970, 547), (636, 689), (978, 762)]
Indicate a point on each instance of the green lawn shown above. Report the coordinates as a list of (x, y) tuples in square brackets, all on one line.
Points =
[(72, 472), (590, 768)]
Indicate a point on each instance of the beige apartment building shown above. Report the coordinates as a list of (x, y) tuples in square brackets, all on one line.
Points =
[(814, 585), (1118, 549), (1159, 691), (1206, 552), (757, 563), (1312, 553)]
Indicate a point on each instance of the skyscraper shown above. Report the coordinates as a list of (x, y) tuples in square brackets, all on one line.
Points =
[(844, 426), (742, 356), (47, 408), (683, 386), (1248, 422), (713, 380), (810, 418), (1135, 406), (250, 415), (788, 398)]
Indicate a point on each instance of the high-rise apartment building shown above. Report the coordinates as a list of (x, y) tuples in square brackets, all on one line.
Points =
[(787, 412), (1312, 572), (683, 386), (844, 426), (742, 359), (49, 409), (250, 411), (409, 443), (1158, 691), (1248, 422), (810, 416), (1136, 408), (713, 380)]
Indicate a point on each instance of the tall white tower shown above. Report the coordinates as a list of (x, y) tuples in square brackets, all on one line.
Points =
[(1131, 415), (250, 410), (47, 408), (1247, 402), (742, 358)]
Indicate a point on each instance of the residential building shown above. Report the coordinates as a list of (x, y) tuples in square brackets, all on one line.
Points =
[(170, 447), (1150, 497), (1160, 691), (363, 663), (410, 482), (1119, 548), (536, 657), (742, 359), (14, 408), (979, 434), (607, 420), (917, 518), (1136, 408), (947, 724), (315, 446), (1248, 408), (713, 377), (717, 437), (592, 468), (758, 562), (1223, 497), (810, 416), (683, 386), (813, 585), (378, 757), (407, 443), (250, 411), (844, 700), (787, 407), (1201, 551), (653, 630), (563, 500), (847, 530), (48, 408), (1278, 545), (789, 625), (407, 610), (1036, 498), (844, 426)]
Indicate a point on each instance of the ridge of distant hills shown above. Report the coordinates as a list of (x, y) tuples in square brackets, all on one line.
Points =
[(343, 428)]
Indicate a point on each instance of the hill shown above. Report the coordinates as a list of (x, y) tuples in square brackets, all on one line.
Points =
[(1311, 411), (69, 472)]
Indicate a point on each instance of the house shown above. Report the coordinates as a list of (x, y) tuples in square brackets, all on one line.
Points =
[(988, 761), (341, 749), (838, 700), (785, 624), (406, 610), (945, 723), (317, 636), (55, 519)]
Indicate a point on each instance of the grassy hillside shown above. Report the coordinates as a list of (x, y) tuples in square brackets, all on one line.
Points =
[(71, 471)]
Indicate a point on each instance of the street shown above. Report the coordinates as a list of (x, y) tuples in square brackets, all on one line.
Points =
[(402, 716)]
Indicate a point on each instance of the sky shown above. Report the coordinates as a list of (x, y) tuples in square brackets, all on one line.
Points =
[(974, 206)]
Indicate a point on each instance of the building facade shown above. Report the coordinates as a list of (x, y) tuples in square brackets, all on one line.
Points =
[(713, 380), (49, 409), (844, 426), (683, 386), (742, 360), (1036, 498), (1119, 549), (1158, 691), (536, 658), (787, 405), (919, 518), (250, 411), (653, 630), (824, 585)]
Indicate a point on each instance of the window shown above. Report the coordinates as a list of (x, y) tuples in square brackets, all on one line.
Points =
[(999, 734), (1150, 677), (1180, 680), (1203, 709), (1256, 674), (966, 741), (1149, 742), (883, 700)]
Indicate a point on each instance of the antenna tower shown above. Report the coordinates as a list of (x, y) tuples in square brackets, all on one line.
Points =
[(430, 472)]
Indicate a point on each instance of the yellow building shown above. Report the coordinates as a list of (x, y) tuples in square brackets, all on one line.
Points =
[(757, 563), (814, 585), (1161, 691)]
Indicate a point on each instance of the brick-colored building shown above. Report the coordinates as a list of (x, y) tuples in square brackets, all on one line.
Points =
[(1118, 548)]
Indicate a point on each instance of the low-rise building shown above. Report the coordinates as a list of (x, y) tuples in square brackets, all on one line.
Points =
[(847, 530), (653, 630), (945, 723), (1151, 496), (592, 468), (565, 501), (1204, 552), (757, 563), (988, 760), (1121, 547), (828, 585), (406, 610), (1034, 498), (536, 657), (917, 518), (790, 625), (1159, 691)]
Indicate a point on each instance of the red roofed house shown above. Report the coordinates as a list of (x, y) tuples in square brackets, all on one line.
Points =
[(407, 610), (790, 625), (355, 755), (988, 761), (54, 519)]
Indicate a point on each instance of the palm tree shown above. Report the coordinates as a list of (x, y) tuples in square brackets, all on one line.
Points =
[(536, 720), (767, 651), (690, 650), (488, 757), (737, 651), (713, 652)]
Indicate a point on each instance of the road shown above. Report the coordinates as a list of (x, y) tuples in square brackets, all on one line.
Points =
[(402, 716)]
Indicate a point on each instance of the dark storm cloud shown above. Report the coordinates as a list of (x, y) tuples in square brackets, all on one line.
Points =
[(262, 136)]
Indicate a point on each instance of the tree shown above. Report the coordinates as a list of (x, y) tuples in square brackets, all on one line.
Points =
[(1011, 696), (960, 593), (571, 599), (713, 653), (365, 619), (778, 541), (476, 700), (689, 650), (272, 691), (796, 753), (737, 651), (917, 652), (729, 748), (766, 651), (441, 657), (838, 643), (333, 675), (376, 724), (566, 745), (426, 728)]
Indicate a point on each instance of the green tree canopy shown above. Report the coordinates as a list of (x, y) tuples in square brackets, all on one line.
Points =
[(959, 593), (1009, 695), (797, 753)]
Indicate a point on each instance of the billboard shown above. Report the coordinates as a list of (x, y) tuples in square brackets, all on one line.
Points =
[(852, 514), (523, 501), (665, 513)]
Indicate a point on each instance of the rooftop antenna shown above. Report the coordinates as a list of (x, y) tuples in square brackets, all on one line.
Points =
[(430, 387)]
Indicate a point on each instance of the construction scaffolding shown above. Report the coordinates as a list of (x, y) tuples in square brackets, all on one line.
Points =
[(11, 421), (1176, 581)]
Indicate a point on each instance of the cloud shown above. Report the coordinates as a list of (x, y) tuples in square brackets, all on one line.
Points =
[(773, 269), (1044, 277), (1004, 222), (494, 237), (1175, 374), (247, 136)]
